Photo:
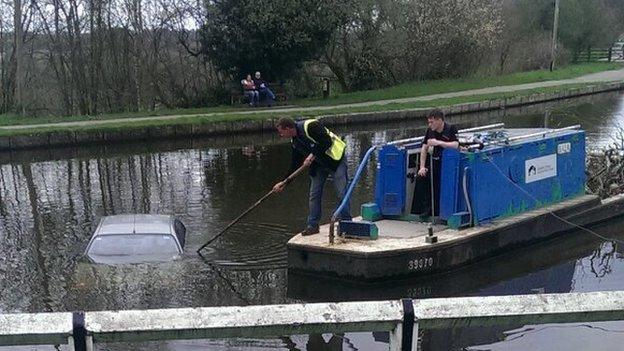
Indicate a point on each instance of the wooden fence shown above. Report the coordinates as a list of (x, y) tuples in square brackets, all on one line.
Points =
[(596, 55)]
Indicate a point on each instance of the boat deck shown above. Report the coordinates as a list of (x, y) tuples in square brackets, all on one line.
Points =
[(400, 235), (401, 247)]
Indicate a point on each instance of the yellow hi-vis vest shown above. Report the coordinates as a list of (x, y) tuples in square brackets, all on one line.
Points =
[(338, 146)]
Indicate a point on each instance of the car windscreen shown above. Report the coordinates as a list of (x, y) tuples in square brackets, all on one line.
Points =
[(133, 244)]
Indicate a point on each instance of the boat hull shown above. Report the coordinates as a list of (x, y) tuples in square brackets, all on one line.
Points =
[(395, 257)]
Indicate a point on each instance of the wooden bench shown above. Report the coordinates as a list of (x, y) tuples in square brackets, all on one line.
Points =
[(237, 95)]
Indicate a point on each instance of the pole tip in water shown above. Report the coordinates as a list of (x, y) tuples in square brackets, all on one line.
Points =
[(202, 251)]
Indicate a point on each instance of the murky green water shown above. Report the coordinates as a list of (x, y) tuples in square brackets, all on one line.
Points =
[(51, 200)]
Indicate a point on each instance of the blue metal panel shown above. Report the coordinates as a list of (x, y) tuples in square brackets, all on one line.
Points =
[(502, 180), (390, 182), (450, 183), (506, 180)]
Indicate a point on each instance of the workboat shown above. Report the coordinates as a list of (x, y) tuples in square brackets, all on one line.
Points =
[(502, 189)]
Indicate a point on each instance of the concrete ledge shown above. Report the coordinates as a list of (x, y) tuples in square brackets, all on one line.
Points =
[(276, 320), (61, 138), (248, 321), (35, 329), (520, 309), (87, 138), (5, 143)]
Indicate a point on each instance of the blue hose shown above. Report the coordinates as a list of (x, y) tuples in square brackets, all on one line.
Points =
[(347, 196)]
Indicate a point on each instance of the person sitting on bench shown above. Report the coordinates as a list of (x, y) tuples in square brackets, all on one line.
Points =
[(266, 95), (249, 88)]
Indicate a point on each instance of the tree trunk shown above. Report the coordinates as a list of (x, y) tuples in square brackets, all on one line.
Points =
[(4, 91), (17, 46)]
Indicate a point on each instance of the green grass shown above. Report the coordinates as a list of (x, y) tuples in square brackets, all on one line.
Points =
[(11, 119), (225, 116), (400, 91), (451, 85)]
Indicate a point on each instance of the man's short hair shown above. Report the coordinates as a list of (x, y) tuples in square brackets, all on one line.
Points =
[(285, 122), (436, 114)]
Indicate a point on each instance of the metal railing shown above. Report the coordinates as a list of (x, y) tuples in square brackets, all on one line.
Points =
[(402, 318), (466, 130)]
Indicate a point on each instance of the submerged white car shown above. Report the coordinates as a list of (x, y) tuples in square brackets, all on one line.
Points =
[(136, 238)]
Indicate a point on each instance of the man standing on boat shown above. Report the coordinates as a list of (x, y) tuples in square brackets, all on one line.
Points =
[(324, 152), (440, 135)]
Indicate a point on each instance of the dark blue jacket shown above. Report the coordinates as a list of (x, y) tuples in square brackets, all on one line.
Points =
[(258, 83)]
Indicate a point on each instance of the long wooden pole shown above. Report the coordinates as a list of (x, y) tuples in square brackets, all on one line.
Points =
[(287, 180)]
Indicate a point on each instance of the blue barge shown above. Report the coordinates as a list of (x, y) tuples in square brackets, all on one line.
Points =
[(505, 188)]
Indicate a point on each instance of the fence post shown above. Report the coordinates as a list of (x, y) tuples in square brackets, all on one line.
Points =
[(79, 332), (409, 340), (404, 337), (588, 54), (610, 52)]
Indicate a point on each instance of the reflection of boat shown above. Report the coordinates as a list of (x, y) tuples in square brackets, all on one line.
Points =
[(547, 267), (518, 187)]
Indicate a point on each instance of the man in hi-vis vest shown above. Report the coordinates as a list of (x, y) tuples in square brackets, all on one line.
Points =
[(322, 150)]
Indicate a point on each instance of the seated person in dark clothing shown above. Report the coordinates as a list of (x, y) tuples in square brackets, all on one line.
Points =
[(249, 88), (263, 88), (439, 135)]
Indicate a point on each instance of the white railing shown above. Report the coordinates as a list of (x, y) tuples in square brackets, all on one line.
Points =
[(402, 318)]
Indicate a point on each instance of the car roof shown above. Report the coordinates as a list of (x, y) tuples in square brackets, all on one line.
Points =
[(135, 224)]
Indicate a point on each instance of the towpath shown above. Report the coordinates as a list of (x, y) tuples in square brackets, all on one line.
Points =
[(601, 77)]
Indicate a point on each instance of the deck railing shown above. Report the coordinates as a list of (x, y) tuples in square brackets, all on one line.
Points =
[(402, 318)]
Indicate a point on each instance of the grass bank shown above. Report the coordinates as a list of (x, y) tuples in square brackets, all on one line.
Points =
[(452, 85), (229, 116), (401, 91)]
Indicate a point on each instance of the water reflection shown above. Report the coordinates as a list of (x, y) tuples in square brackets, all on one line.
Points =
[(50, 201)]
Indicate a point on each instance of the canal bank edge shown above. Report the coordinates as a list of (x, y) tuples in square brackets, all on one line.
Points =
[(68, 138)]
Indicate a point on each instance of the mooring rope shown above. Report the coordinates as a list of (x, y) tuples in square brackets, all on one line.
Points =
[(549, 211)]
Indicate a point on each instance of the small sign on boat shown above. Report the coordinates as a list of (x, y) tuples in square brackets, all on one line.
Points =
[(540, 168), (564, 148)]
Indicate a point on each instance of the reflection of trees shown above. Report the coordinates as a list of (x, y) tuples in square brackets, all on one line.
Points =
[(84, 181), (600, 259), (106, 204), (235, 181), (40, 262), (16, 263), (60, 200), (3, 209)]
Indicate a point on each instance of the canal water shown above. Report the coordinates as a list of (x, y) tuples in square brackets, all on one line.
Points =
[(51, 201)]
